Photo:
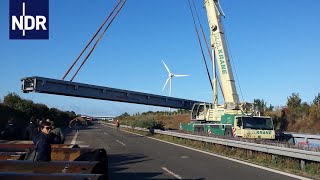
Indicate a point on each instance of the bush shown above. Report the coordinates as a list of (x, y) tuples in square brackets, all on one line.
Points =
[(148, 124)]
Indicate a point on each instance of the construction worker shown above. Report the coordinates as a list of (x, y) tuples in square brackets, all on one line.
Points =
[(43, 142), (31, 130), (117, 124), (75, 124), (58, 136), (11, 131)]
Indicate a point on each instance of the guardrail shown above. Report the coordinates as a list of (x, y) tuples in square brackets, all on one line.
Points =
[(299, 154), (309, 140)]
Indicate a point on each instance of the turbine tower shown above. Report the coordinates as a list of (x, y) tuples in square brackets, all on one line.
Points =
[(170, 76)]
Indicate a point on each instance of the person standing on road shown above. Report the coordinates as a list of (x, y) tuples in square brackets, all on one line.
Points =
[(58, 136), (11, 132), (43, 143), (117, 124), (74, 124), (31, 130)]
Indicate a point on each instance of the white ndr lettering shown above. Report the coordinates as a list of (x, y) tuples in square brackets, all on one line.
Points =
[(29, 22)]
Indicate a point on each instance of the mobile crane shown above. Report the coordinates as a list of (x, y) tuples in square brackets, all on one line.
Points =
[(233, 118)]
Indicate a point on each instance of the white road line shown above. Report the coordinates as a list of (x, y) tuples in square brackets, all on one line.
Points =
[(172, 173), (230, 159), (106, 134), (74, 138), (120, 142), (83, 145)]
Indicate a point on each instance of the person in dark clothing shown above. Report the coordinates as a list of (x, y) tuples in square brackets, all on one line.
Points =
[(31, 130), (58, 136), (39, 122), (75, 124), (11, 132), (43, 142)]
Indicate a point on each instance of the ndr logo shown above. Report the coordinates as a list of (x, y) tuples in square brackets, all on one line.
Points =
[(29, 19)]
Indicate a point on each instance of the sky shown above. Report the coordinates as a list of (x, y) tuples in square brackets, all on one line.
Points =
[(274, 49)]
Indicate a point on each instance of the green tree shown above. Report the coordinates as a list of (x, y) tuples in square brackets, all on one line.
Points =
[(260, 105), (270, 108), (11, 100), (294, 101), (15, 102), (316, 100), (123, 115), (297, 113), (304, 110), (40, 110)]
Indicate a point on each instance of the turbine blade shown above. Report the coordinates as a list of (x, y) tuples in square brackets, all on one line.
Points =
[(165, 84), (180, 75), (166, 67)]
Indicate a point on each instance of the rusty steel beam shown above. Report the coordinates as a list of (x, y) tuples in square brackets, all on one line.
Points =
[(10, 155), (57, 154), (30, 145), (79, 167), (53, 176), (16, 142), (68, 154)]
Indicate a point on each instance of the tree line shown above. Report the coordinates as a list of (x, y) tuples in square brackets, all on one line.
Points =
[(295, 116), (20, 111)]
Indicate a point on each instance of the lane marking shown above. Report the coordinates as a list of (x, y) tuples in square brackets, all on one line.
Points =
[(172, 173), (83, 145), (106, 134), (90, 130), (74, 138), (120, 142), (230, 159)]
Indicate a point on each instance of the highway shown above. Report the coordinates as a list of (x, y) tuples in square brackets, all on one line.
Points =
[(137, 157)]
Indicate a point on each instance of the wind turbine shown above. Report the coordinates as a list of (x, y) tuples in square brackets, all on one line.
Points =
[(170, 76)]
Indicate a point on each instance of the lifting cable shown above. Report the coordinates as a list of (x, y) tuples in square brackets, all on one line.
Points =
[(203, 56), (91, 40), (93, 37), (203, 35), (95, 44), (212, 57)]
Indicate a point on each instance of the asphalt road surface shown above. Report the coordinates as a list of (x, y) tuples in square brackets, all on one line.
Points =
[(137, 157)]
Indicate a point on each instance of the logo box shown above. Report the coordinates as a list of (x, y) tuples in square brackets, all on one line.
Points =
[(29, 19)]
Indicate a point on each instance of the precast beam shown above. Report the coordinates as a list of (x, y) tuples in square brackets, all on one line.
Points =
[(67, 88)]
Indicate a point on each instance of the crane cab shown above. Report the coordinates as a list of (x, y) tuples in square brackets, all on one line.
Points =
[(199, 111)]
